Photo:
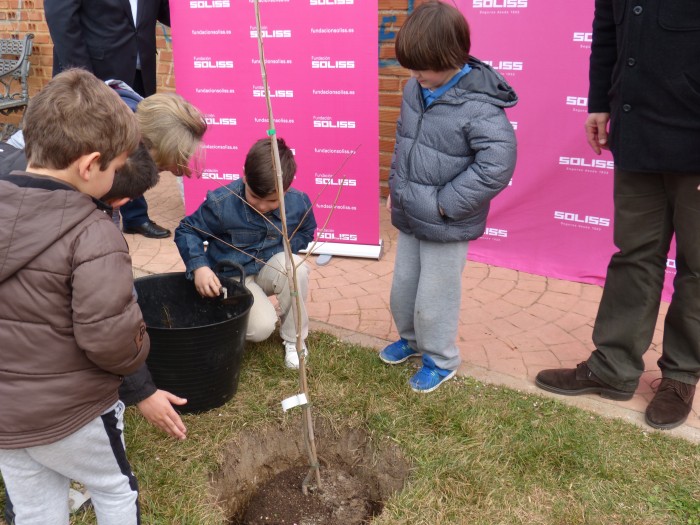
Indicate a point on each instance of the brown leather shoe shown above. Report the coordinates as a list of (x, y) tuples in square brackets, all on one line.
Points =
[(671, 404), (577, 381)]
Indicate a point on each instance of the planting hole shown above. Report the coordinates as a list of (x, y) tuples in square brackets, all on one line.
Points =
[(261, 476)]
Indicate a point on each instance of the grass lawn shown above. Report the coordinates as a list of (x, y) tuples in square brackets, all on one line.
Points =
[(480, 454)]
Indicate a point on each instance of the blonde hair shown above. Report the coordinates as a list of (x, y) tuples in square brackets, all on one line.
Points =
[(172, 130)]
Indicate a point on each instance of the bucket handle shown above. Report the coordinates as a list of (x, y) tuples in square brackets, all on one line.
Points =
[(223, 264)]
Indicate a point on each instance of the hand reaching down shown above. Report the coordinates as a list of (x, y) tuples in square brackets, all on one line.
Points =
[(158, 410)]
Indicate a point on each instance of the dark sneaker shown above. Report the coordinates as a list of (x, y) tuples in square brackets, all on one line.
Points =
[(429, 377), (397, 352), (577, 381), (671, 404)]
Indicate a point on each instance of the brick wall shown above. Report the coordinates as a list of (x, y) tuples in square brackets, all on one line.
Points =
[(18, 17)]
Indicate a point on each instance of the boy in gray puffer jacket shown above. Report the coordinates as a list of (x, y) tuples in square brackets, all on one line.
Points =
[(455, 151)]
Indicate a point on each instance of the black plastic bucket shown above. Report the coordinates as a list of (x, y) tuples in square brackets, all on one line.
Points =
[(197, 342)]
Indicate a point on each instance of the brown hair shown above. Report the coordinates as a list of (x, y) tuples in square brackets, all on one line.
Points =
[(172, 129), (434, 37), (260, 170), (76, 114), (138, 175)]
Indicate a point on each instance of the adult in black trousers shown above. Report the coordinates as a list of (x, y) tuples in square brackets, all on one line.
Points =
[(115, 39), (645, 81)]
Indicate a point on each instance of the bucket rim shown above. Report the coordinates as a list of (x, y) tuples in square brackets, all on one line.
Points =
[(246, 293)]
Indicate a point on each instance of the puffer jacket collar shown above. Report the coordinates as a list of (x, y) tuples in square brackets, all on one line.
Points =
[(482, 83), (39, 201)]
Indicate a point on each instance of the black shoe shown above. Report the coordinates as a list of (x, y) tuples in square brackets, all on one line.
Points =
[(577, 381), (149, 229), (671, 404)]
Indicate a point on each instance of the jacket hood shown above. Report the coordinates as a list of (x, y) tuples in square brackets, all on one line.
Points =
[(35, 211), (127, 94), (482, 83)]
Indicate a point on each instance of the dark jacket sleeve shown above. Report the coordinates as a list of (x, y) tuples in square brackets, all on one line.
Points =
[(11, 159), (164, 13), (190, 236), (137, 386), (63, 19), (603, 57)]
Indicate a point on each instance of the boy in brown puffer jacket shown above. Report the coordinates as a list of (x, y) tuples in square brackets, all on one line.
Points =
[(70, 327)]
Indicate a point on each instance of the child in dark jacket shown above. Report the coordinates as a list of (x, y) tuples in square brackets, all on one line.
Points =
[(455, 151), (68, 334), (241, 222)]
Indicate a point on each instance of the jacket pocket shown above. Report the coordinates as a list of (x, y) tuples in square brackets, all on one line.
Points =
[(619, 7), (680, 15), (246, 240)]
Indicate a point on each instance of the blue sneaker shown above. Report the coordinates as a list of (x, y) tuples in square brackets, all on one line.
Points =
[(397, 352), (429, 377)]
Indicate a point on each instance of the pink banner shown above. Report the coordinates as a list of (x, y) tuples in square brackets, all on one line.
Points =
[(321, 58), (556, 217)]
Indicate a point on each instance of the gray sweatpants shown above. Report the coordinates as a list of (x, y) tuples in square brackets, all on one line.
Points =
[(426, 295), (37, 478)]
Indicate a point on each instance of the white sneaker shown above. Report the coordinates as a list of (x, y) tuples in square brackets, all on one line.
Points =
[(291, 358)]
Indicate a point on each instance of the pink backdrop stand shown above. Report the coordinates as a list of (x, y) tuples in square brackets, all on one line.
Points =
[(322, 70)]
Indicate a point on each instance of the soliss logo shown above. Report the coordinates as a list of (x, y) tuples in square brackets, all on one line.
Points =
[(587, 219), (340, 124), (222, 121), (336, 64), (494, 232), (505, 65), (278, 93), (276, 33), (583, 163), (213, 4), (499, 4), (337, 236), (577, 101), (328, 181), (218, 64)]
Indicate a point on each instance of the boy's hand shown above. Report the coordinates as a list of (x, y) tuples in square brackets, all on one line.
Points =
[(206, 282), (388, 202), (158, 410)]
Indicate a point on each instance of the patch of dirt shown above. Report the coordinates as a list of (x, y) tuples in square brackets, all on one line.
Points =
[(260, 479), (342, 500)]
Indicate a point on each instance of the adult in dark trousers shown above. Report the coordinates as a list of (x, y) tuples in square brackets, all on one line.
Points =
[(115, 39), (645, 81)]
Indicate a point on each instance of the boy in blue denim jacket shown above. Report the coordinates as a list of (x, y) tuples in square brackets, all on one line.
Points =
[(241, 222)]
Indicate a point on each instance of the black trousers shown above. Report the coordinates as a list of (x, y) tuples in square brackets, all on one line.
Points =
[(649, 209), (135, 212)]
